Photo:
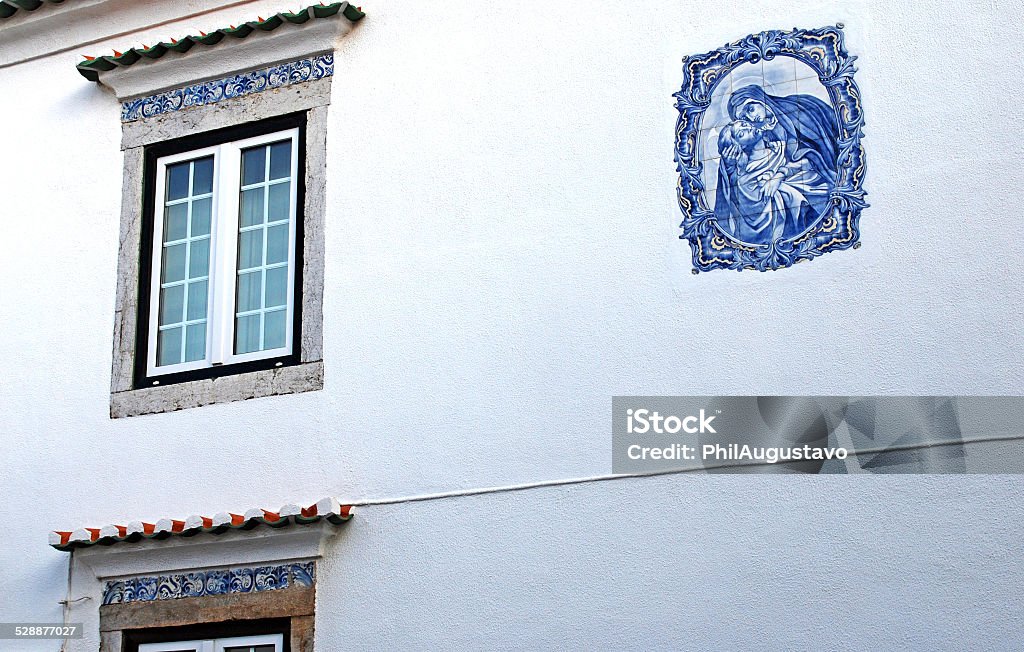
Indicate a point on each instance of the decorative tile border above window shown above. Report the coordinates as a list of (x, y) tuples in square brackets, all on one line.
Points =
[(209, 582), (214, 91)]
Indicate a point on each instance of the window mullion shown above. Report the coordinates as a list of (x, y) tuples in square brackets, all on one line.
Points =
[(226, 250), (292, 239)]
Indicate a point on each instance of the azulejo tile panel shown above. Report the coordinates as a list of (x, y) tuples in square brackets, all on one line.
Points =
[(768, 150), (210, 582), (216, 90)]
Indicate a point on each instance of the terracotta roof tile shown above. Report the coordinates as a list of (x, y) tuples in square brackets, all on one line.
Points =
[(326, 509)]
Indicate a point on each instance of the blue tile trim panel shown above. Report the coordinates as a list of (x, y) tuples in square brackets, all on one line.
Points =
[(211, 582), (216, 90)]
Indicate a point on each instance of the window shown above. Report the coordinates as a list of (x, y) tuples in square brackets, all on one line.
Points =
[(266, 643), (221, 272), (227, 346)]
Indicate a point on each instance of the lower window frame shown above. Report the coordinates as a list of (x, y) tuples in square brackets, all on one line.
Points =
[(135, 640)]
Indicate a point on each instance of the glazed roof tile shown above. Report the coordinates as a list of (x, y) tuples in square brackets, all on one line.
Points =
[(10, 7), (93, 66), (327, 509)]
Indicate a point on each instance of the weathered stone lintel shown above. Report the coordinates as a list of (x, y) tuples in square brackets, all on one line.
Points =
[(283, 603), (306, 377)]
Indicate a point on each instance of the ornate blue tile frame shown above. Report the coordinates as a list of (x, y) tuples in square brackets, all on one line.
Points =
[(833, 224), (215, 90), (209, 582)]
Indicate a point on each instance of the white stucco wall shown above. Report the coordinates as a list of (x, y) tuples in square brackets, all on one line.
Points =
[(502, 258), (722, 563)]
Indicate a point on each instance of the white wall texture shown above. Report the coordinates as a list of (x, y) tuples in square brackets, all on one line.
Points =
[(502, 258)]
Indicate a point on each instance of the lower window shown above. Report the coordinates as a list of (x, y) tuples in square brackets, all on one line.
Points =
[(264, 643)]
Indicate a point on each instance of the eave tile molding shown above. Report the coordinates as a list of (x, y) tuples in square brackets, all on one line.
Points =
[(9, 8), (263, 54), (326, 510), (768, 150)]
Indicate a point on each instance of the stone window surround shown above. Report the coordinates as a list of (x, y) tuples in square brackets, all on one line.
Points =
[(122, 623), (313, 97), (92, 568)]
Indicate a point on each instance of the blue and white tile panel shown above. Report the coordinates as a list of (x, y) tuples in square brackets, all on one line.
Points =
[(210, 582), (211, 92)]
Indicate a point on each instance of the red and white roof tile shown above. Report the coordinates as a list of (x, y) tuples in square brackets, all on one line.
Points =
[(328, 509)]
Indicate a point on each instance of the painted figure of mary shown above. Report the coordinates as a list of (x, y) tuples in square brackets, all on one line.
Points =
[(778, 164), (803, 123), (762, 194)]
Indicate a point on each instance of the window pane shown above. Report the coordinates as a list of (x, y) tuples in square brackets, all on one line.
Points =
[(172, 304), (195, 342), (252, 207), (202, 176), (258, 289), (254, 165), (277, 244), (249, 290), (197, 300), (199, 258), (177, 180), (281, 160), (168, 347), (250, 249), (280, 196), (172, 267), (175, 222), (274, 329), (247, 334), (251, 648), (277, 287), (201, 217)]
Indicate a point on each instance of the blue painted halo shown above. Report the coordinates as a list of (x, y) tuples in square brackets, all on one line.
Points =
[(768, 149)]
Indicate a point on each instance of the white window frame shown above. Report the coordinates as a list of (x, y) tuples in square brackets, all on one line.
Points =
[(277, 640), (215, 645), (179, 646), (223, 278), (176, 646)]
